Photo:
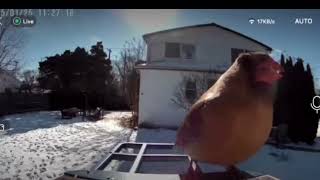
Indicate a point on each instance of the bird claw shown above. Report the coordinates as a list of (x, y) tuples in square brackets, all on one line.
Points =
[(194, 172)]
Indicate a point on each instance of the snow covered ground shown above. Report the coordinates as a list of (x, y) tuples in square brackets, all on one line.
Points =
[(287, 164), (284, 164), (40, 145), (155, 135)]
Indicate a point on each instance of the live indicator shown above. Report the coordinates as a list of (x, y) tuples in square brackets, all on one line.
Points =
[(23, 21)]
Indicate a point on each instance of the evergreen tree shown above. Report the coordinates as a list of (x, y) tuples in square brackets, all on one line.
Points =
[(79, 71), (278, 113), (299, 104), (311, 117), (293, 98), (292, 105)]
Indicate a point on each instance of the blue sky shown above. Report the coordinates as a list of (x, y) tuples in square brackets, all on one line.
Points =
[(52, 35)]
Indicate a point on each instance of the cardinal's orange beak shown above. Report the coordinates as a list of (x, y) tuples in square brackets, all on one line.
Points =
[(268, 72)]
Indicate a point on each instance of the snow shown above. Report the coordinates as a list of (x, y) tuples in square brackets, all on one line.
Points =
[(156, 135), (41, 145), (301, 145), (284, 164)]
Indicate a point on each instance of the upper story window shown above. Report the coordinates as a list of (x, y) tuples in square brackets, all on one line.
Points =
[(235, 53), (172, 50), (187, 51), (179, 50)]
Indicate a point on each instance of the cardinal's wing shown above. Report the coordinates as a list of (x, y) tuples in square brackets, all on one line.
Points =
[(191, 127)]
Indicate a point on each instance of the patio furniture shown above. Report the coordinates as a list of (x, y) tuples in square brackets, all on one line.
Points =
[(97, 115)]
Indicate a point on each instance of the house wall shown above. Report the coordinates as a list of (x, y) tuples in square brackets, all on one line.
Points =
[(157, 88), (213, 45)]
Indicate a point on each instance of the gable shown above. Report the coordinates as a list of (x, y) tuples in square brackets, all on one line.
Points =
[(199, 29)]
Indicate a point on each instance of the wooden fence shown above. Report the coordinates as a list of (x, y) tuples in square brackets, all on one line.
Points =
[(22, 102)]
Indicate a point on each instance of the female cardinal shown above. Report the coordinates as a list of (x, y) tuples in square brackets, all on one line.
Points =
[(233, 119)]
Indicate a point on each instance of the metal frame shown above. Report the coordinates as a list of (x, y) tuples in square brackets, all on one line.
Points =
[(138, 157)]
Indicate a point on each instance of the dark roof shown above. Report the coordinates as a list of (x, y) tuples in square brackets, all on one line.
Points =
[(177, 68), (206, 25)]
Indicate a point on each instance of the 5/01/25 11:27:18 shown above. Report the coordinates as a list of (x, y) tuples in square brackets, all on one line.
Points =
[(36, 12), (55, 12)]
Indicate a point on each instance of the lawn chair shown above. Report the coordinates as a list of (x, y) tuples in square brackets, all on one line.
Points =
[(97, 115)]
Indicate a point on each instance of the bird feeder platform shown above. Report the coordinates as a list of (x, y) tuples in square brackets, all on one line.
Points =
[(154, 161)]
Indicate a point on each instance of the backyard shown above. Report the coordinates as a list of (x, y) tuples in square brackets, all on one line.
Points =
[(149, 69)]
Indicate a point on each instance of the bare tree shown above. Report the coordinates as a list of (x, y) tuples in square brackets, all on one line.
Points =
[(11, 42), (29, 78), (202, 82), (132, 53)]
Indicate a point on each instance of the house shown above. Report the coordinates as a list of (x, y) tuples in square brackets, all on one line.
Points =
[(8, 81), (177, 53)]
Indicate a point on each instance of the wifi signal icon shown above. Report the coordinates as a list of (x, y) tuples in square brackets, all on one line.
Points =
[(251, 20)]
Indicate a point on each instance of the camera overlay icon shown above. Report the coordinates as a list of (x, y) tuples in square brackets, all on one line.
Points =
[(313, 106)]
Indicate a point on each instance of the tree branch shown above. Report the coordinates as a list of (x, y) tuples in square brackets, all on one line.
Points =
[(10, 43)]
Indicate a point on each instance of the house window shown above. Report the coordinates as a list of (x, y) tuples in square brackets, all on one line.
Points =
[(235, 52), (188, 51), (191, 90), (172, 50), (178, 50)]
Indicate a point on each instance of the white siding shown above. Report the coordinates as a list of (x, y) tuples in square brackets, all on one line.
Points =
[(157, 88), (213, 45)]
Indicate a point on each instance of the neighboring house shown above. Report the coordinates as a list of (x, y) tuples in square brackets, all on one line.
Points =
[(175, 53), (8, 81)]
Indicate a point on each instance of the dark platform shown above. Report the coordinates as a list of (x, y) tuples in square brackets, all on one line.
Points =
[(154, 161)]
